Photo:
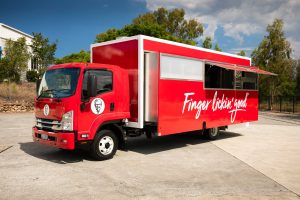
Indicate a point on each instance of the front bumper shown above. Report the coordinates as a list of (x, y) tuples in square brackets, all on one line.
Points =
[(59, 139)]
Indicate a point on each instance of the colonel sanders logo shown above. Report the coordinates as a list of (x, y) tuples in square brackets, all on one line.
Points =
[(46, 110), (97, 106)]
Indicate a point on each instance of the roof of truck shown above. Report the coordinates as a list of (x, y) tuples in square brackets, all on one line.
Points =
[(83, 66), (140, 37)]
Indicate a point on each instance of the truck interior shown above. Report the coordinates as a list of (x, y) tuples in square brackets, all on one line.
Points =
[(223, 78)]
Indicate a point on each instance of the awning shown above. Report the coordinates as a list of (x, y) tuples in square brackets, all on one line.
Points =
[(225, 66), (260, 71), (252, 69)]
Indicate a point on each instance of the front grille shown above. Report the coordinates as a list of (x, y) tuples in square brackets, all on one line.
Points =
[(48, 125)]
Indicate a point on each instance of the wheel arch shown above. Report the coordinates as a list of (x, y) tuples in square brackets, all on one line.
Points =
[(116, 128)]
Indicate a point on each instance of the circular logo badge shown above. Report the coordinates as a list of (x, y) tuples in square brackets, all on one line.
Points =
[(46, 110), (97, 106)]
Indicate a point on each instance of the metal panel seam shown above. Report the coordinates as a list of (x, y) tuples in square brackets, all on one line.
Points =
[(140, 82)]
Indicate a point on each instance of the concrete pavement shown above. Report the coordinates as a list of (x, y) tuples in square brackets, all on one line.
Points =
[(259, 162), (271, 146)]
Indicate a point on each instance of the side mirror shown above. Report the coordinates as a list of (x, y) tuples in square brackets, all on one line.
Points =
[(37, 85), (91, 85)]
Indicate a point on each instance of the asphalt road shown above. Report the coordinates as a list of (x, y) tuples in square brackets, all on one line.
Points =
[(256, 162)]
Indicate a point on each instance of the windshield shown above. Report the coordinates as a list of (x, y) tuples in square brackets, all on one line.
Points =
[(59, 83)]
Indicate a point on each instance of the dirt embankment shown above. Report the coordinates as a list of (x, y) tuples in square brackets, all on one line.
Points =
[(17, 97)]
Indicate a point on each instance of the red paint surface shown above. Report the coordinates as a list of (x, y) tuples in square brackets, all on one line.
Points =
[(171, 101), (89, 123), (125, 55), (171, 95), (193, 53), (59, 138), (85, 122)]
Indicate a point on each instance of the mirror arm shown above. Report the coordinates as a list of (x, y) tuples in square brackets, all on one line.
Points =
[(82, 106), (83, 103)]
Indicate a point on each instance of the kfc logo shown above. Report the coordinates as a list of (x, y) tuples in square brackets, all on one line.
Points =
[(46, 110), (97, 106)]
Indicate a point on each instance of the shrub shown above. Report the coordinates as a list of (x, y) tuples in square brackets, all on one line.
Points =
[(3, 69), (8, 72), (13, 92), (32, 75)]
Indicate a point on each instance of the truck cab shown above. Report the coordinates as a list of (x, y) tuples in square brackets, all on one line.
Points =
[(82, 104)]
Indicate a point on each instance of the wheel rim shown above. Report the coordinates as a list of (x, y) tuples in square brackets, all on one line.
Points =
[(214, 132), (106, 145)]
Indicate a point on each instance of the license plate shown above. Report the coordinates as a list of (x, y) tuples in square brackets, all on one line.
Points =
[(44, 136)]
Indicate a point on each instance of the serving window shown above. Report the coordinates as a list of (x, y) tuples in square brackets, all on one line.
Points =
[(246, 80), (229, 77), (217, 77)]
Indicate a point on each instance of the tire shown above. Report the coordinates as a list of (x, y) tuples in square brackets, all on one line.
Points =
[(212, 133), (105, 145)]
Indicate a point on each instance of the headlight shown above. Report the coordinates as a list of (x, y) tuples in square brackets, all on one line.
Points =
[(67, 121)]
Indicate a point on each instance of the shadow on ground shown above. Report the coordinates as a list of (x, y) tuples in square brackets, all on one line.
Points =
[(52, 154), (139, 145), (158, 144)]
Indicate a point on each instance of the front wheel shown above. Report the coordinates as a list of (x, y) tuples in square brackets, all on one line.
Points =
[(105, 145), (212, 133)]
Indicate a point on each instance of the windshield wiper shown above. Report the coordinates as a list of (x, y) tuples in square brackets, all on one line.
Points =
[(48, 90)]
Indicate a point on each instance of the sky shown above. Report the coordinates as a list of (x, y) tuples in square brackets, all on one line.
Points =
[(234, 24)]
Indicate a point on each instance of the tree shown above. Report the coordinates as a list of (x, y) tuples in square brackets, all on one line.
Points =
[(110, 34), (207, 43), (217, 48), (5, 69), (273, 54), (42, 52), (15, 60), (162, 23), (242, 53), (32, 76), (82, 56)]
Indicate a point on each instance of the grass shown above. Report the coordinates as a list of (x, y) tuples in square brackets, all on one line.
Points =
[(17, 93)]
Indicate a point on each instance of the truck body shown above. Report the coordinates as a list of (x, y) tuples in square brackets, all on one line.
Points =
[(143, 85)]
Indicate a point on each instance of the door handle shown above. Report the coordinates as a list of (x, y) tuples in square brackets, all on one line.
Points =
[(112, 106)]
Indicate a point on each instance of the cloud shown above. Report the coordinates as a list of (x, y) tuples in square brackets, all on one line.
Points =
[(239, 18), (248, 50), (210, 30)]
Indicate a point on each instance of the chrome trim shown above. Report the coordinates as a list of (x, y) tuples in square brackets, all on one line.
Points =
[(48, 124)]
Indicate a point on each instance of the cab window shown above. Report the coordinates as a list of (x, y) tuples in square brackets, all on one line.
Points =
[(104, 81)]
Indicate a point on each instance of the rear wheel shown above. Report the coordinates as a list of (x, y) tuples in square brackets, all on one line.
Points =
[(212, 133), (105, 145)]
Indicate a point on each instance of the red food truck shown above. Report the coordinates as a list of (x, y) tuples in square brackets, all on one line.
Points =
[(143, 85)]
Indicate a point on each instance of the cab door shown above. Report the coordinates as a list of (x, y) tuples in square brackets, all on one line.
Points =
[(99, 108)]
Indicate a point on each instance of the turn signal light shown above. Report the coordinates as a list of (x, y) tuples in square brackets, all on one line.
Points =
[(84, 135), (64, 141)]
